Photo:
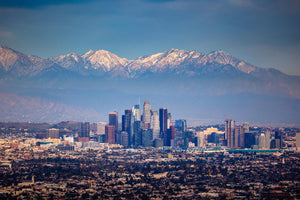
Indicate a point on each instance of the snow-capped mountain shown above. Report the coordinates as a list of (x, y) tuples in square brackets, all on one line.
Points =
[(18, 64), (172, 61), (207, 84)]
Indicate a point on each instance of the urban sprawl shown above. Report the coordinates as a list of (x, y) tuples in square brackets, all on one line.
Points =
[(148, 156)]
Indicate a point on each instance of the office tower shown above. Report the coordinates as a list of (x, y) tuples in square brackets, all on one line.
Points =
[(136, 112), (101, 128), (250, 139), (245, 127), (154, 124), (113, 120), (278, 139), (268, 139), (110, 131), (180, 125), (126, 121), (169, 120), (124, 139), (214, 138), (146, 111), (84, 133), (147, 137), (53, 133), (169, 136), (137, 132), (262, 141), (238, 132), (229, 132), (163, 120), (84, 129)]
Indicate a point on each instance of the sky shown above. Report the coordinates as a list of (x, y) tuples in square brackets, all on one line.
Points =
[(265, 33)]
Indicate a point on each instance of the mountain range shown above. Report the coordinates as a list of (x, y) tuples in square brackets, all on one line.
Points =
[(204, 85)]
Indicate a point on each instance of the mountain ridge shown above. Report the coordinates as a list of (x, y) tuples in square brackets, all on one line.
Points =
[(103, 61), (194, 84)]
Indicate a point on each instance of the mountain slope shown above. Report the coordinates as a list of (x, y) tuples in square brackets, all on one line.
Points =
[(202, 84), (17, 64)]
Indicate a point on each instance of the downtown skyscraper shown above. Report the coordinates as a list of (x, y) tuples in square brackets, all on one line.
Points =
[(146, 111), (163, 119)]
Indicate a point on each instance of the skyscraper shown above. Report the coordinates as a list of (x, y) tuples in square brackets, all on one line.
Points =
[(126, 121), (84, 134), (136, 112), (84, 129), (154, 124), (101, 128), (113, 120), (229, 132), (127, 125), (110, 132), (163, 120), (146, 111)]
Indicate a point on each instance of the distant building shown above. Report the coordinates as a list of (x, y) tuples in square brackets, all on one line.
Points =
[(146, 111), (137, 129), (147, 138), (110, 131), (101, 128), (124, 139), (180, 125), (229, 132), (84, 129), (136, 112), (163, 120), (53, 133), (154, 124), (113, 120), (127, 125)]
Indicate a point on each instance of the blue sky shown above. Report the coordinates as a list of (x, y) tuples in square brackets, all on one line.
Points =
[(265, 33)]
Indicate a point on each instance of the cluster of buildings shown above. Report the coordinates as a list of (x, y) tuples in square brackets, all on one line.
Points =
[(148, 127), (240, 136)]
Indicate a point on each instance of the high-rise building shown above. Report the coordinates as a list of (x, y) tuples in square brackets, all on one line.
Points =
[(268, 139), (154, 124), (84, 134), (262, 141), (169, 120), (146, 111), (250, 139), (101, 128), (169, 136), (53, 133), (124, 139), (147, 138), (84, 129), (163, 120), (137, 131), (229, 132), (126, 121), (136, 112), (113, 120), (110, 131), (180, 125)]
